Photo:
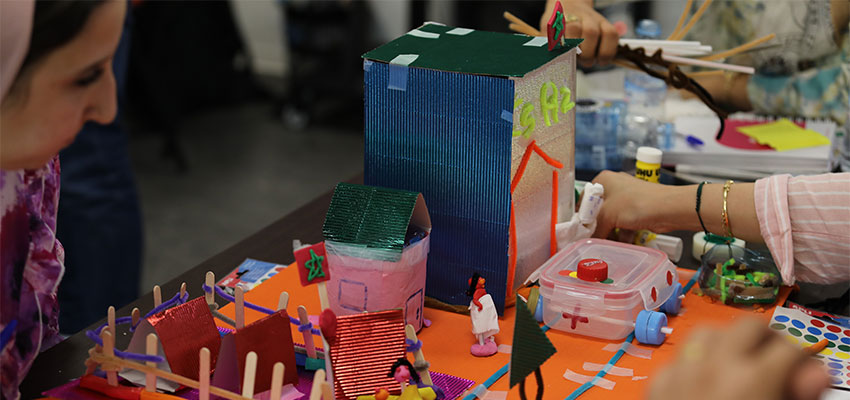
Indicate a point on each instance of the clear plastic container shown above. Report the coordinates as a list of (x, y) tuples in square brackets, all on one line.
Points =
[(597, 130), (645, 94), (638, 278), (749, 278)]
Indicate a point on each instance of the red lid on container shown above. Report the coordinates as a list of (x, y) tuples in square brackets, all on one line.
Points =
[(592, 270)]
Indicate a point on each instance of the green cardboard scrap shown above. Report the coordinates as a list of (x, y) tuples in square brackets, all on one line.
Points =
[(531, 348)]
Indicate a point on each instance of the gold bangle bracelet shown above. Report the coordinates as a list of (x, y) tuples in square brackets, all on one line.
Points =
[(724, 214)]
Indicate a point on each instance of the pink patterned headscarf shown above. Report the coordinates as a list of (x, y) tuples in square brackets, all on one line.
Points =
[(15, 30)]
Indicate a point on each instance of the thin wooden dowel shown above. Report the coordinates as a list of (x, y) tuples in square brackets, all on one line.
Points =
[(151, 350), (157, 296), (239, 296), (102, 358), (277, 381), (327, 391), (204, 375), (702, 74), (742, 48), (682, 18), (522, 29), (283, 301), (693, 21), (516, 20), (182, 289), (209, 280), (135, 316), (309, 344), (250, 375), (709, 64)]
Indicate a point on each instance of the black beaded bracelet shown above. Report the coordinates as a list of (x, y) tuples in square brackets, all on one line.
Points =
[(699, 200)]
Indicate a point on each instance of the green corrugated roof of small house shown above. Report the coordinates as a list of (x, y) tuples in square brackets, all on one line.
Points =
[(369, 216), (475, 52)]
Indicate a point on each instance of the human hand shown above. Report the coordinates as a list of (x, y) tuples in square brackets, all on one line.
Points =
[(600, 36), (633, 204), (746, 361)]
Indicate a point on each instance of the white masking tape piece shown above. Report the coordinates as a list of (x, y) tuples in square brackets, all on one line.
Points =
[(404, 59), (480, 391), (459, 31), (579, 378), (495, 395), (610, 370), (578, 50), (631, 350), (639, 378), (537, 41), (505, 348), (423, 34)]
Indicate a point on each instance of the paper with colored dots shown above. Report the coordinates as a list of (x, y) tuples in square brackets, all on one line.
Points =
[(805, 330)]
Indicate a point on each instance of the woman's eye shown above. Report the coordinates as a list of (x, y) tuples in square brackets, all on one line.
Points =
[(89, 78)]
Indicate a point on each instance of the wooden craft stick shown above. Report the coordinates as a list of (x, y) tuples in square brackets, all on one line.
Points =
[(157, 296), (316, 390), (204, 375), (709, 64), (240, 307), (309, 344), (327, 391), (151, 350), (182, 289), (742, 48), (110, 319), (693, 21), (323, 295), (418, 356), (180, 379), (135, 316), (250, 375), (681, 19), (109, 348), (516, 20), (209, 280), (277, 381), (283, 301), (522, 29)]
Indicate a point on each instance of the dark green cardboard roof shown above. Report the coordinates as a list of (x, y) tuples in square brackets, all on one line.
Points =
[(369, 216), (478, 52)]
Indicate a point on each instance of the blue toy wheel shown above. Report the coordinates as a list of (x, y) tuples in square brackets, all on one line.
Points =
[(673, 303), (538, 311), (648, 327)]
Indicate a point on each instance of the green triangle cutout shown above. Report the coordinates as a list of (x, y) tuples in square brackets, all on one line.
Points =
[(531, 347)]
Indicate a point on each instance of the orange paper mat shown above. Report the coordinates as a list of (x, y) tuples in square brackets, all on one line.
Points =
[(446, 343)]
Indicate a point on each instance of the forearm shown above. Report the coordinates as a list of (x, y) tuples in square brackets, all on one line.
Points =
[(677, 208)]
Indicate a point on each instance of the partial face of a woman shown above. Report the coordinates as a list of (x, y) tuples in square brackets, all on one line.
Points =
[(59, 93)]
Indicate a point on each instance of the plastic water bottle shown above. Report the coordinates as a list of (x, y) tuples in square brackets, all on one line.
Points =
[(598, 123), (645, 94)]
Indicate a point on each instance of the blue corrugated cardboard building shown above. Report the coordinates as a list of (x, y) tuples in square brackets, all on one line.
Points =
[(450, 113)]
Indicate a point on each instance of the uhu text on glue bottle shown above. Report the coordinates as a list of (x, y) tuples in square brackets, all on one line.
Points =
[(648, 165)]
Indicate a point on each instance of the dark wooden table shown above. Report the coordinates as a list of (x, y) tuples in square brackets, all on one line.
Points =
[(65, 361)]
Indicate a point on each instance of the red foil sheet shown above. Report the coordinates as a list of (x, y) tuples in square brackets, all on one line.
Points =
[(183, 331), (271, 339), (365, 349)]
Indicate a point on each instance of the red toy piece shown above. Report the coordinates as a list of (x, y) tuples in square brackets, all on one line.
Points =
[(555, 27), (312, 264), (271, 339), (592, 270)]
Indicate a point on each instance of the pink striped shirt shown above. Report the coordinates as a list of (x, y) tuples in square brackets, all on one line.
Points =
[(805, 222)]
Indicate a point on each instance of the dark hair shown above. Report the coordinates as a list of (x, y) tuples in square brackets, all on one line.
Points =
[(55, 23)]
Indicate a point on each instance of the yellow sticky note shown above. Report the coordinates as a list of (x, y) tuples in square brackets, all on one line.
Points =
[(784, 135)]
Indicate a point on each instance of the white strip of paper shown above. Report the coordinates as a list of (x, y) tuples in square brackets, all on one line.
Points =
[(495, 395), (537, 41), (423, 34), (612, 370), (404, 59), (579, 378), (639, 378), (459, 31), (505, 348)]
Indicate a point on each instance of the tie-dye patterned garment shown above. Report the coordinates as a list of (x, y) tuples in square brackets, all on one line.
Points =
[(806, 75), (31, 265)]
